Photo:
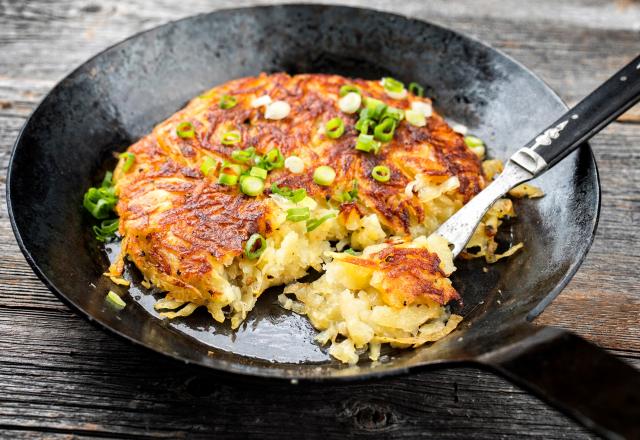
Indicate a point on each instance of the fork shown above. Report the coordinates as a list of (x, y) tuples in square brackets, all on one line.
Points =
[(553, 144)]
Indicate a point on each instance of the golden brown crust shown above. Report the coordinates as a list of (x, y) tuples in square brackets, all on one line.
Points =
[(177, 217)]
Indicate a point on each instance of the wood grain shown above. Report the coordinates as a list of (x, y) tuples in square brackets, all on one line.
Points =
[(61, 377)]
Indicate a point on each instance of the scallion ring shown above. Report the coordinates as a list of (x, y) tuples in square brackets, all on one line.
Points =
[(315, 222), (227, 179), (258, 172), (250, 250), (416, 89), (375, 108), (130, 158), (392, 84), (107, 229), (298, 214), (251, 185), (381, 173), (113, 299), (384, 130), (208, 164), (363, 125), (272, 160), (473, 141), (334, 128), (243, 156), (231, 137), (393, 113), (366, 143), (324, 175), (185, 130), (348, 89), (227, 102), (295, 195)]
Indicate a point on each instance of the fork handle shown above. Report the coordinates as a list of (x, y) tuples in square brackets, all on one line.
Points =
[(590, 116), (578, 377)]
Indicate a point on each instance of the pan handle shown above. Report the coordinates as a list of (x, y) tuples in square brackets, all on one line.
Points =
[(578, 377)]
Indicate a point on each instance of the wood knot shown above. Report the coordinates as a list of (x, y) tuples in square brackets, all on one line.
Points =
[(370, 415)]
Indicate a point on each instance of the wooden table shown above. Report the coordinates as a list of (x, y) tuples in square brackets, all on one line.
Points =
[(61, 377)]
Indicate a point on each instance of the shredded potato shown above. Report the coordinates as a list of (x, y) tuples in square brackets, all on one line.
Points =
[(187, 233)]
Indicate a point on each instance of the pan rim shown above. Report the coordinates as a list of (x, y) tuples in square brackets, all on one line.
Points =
[(261, 372)]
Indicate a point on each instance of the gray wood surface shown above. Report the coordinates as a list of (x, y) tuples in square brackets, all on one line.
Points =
[(60, 377)]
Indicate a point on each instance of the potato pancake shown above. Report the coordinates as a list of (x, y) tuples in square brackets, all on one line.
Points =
[(261, 178)]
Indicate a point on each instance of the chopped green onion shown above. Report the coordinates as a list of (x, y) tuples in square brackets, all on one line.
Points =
[(128, 163), (107, 229), (113, 299), (315, 222), (351, 252), (324, 175), (231, 137), (258, 172), (416, 118), (416, 89), (348, 89), (251, 185), (392, 85), (101, 201), (473, 141), (381, 173), (393, 113), (348, 196), (298, 214), (384, 130), (185, 130), (366, 143), (272, 160), (334, 128), (250, 249), (243, 156), (295, 195), (107, 181), (374, 107), (227, 102), (237, 169), (363, 125), (208, 164), (227, 179)]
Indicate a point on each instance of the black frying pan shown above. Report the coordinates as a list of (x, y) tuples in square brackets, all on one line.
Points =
[(119, 95)]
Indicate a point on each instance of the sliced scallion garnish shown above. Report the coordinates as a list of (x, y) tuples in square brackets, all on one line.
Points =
[(381, 173), (244, 156), (334, 128), (416, 89), (185, 130), (392, 85), (106, 230), (295, 195), (251, 185), (227, 102), (227, 179), (250, 250), (324, 175), (113, 299), (365, 142), (208, 164), (258, 172), (315, 222), (298, 214), (384, 130), (231, 137), (272, 160), (348, 89), (130, 158), (472, 141)]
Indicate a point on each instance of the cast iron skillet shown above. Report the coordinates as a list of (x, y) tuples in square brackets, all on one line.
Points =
[(118, 96)]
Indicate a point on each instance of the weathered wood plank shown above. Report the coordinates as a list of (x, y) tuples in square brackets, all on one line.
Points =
[(62, 377)]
